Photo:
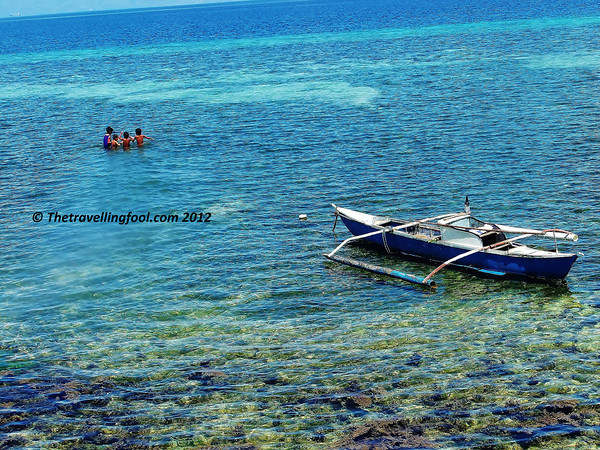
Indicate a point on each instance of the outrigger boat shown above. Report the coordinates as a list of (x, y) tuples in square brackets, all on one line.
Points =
[(458, 240)]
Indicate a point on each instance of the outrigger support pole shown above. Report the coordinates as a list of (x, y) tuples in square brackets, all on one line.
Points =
[(354, 238), (372, 268), (475, 250)]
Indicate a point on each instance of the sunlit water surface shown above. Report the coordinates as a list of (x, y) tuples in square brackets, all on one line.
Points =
[(237, 331)]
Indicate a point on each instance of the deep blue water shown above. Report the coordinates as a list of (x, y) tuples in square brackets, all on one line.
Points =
[(236, 331)]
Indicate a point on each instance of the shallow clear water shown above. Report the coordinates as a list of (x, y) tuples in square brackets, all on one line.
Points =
[(237, 331)]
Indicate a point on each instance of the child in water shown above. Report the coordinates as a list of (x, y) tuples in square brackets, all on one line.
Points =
[(115, 141), (107, 139), (139, 137), (126, 140)]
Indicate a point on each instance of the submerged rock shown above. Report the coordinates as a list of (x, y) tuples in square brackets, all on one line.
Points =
[(387, 434), (358, 401), (559, 421)]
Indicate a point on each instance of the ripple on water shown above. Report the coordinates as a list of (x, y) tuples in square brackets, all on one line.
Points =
[(237, 332)]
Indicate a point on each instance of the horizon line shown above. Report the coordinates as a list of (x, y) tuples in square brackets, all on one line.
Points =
[(78, 13)]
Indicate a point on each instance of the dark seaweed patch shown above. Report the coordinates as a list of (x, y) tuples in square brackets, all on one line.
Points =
[(97, 411)]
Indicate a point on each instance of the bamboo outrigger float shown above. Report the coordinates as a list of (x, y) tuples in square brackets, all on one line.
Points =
[(456, 240)]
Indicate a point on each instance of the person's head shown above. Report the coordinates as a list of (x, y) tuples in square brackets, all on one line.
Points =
[(115, 136), (109, 130), (126, 135), (138, 131)]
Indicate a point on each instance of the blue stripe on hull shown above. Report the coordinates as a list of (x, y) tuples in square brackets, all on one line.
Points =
[(516, 266)]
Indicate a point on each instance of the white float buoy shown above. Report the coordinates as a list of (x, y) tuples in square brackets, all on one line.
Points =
[(302, 217)]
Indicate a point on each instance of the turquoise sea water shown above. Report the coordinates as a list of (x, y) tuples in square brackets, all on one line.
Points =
[(236, 332)]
